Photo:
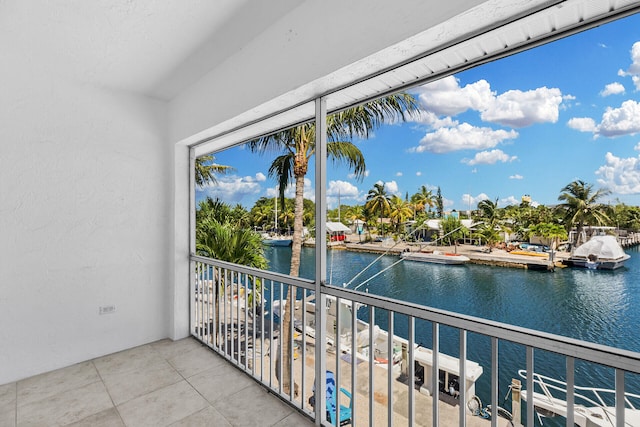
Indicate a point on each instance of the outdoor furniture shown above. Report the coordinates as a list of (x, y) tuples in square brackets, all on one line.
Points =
[(345, 411)]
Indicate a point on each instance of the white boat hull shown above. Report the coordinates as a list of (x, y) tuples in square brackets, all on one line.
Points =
[(436, 257)]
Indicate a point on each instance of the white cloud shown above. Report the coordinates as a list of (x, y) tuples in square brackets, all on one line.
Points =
[(469, 200), (353, 175), (509, 201), (489, 158), (621, 121), (516, 176), (290, 191), (513, 108), (634, 68), (391, 187), (637, 147), (582, 124), (233, 188), (462, 137), (260, 177), (519, 109), (446, 97), (614, 88), (344, 189), (620, 175), (398, 173), (418, 173)]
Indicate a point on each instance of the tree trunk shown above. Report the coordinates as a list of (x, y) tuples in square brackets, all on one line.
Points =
[(285, 320)]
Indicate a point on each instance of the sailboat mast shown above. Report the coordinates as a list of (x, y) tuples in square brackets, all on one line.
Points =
[(275, 215)]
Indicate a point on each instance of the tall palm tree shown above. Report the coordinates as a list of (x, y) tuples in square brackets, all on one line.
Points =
[(423, 198), (581, 207), (298, 145), (491, 221), (206, 170), (399, 211), (378, 200)]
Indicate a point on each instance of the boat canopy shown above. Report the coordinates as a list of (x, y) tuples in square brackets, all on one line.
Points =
[(336, 227), (605, 247)]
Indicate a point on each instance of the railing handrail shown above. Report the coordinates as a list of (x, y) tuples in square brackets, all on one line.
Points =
[(597, 353)]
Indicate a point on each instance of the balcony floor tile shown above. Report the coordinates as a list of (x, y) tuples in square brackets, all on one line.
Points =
[(8, 404), (178, 383)]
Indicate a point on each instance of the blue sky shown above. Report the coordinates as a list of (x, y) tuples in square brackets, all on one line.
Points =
[(527, 124)]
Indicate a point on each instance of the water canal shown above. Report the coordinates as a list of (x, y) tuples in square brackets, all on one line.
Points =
[(596, 306)]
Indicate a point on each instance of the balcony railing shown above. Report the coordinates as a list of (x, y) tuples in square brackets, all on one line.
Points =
[(388, 377)]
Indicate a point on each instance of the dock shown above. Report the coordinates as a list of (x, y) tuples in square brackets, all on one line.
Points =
[(476, 254)]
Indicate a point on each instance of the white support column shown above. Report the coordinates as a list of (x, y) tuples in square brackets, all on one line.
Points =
[(321, 256)]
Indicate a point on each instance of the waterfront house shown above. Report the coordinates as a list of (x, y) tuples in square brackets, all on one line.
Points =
[(104, 106)]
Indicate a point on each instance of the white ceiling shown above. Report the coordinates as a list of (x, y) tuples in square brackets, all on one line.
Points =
[(151, 47)]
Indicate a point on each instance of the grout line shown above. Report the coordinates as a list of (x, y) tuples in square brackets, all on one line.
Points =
[(107, 389)]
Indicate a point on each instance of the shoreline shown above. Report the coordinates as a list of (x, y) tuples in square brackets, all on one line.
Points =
[(476, 254)]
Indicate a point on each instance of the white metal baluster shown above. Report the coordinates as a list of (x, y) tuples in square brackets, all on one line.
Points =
[(620, 398), (207, 320), (338, 352), (390, 370), (494, 382), (412, 372), (280, 338), (435, 374), (462, 379), (354, 357), (262, 318), (371, 324), (232, 338), (227, 341), (271, 355), (202, 296), (303, 351), (254, 298), (245, 335), (570, 391), (291, 313), (530, 407)]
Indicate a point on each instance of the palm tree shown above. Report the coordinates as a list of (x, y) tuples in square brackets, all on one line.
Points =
[(378, 200), (580, 207), (298, 145), (491, 222), (422, 199), (399, 211), (217, 237), (206, 170)]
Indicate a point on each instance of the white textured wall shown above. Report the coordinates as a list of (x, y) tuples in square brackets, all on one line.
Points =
[(85, 220)]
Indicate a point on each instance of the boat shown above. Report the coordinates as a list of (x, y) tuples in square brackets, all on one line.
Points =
[(599, 253), (273, 239), (590, 403), (437, 257), (276, 240), (449, 366)]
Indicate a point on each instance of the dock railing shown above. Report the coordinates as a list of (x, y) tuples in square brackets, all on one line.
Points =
[(231, 313)]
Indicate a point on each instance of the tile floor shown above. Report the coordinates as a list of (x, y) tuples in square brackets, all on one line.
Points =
[(166, 383)]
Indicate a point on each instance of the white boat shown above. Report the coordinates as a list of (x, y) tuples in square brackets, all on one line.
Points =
[(437, 257), (600, 252), (276, 240), (272, 239), (398, 361), (590, 409)]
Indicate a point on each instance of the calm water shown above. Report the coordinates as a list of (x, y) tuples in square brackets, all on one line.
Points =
[(596, 306)]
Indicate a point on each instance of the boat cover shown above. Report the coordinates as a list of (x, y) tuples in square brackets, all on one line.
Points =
[(605, 247)]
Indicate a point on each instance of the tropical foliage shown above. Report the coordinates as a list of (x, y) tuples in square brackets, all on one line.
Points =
[(296, 146), (206, 170), (581, 207)]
